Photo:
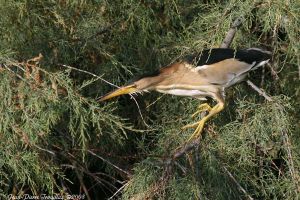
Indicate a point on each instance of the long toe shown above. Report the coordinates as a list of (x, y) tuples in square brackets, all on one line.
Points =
[(198, 131), (202, 108), (194, 125)]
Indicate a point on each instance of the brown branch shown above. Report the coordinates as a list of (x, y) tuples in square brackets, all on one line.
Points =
[(231, 33), (187, 148), (118, 191), (287, 143), (262, 93)]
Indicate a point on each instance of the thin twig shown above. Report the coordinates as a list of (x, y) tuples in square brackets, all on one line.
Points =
[(237, 183), (226, 43), (140, 112), (287, 143), (90, 73), (110, 163), (20, 77), (118, 191), (40, 148), (79, 176), (293, 173), (273, 72), (109, 83), (262, 93)]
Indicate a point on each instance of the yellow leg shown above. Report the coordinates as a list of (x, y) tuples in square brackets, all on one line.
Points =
[(215, 110), (201, 108)]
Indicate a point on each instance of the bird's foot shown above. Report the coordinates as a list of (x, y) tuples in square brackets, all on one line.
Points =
[(201, 108), (198, 130), (193, 125)]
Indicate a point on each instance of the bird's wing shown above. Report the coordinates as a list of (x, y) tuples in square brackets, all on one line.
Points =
[(227, 66)]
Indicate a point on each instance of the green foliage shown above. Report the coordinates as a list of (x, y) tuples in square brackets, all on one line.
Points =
[(35, 115), (50, 122), (256, 148)]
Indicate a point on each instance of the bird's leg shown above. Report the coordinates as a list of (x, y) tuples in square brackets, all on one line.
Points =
[(201, 108), (215, 110)]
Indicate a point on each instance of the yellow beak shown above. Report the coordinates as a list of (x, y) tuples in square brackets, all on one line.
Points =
[(123, 90)]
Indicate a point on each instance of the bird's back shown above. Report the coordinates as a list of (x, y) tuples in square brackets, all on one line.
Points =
[(212, 56)]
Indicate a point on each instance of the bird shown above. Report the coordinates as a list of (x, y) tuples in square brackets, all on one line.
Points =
[(202, 75)]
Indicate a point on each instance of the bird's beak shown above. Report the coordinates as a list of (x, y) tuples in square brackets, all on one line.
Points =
[(122, 90)]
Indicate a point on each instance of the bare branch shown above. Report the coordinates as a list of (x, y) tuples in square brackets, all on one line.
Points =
[(262, 93), (237, 183), (110, 163), (231, 33), (187, 148), (118, 191)]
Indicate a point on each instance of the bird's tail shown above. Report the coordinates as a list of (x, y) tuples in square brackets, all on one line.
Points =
[(263, 57)]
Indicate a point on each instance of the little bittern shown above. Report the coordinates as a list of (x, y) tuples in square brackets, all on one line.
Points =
[(206, 74)]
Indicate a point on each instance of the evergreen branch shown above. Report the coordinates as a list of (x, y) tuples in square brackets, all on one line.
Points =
[(46, 150), (293, 173), (102, 79), (102, 30), (77, 166), (87, 72), (226, 43), (287, 143), (11, 71)]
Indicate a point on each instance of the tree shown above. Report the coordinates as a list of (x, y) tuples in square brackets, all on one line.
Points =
[(57, 57)]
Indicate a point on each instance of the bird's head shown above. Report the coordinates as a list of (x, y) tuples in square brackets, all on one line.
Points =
[(141, 85)]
